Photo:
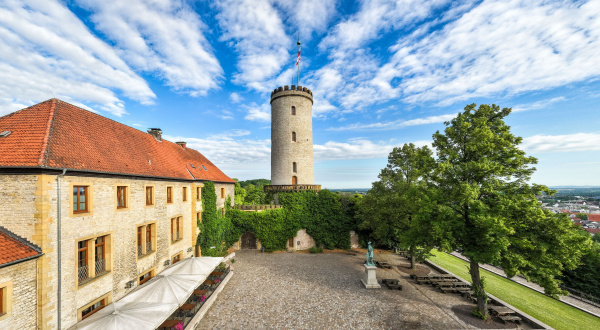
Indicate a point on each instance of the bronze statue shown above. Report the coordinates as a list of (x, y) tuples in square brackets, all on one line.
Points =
[(370, 255)]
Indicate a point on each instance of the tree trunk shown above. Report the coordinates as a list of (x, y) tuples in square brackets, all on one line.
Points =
[(412, 258), (478, 289)]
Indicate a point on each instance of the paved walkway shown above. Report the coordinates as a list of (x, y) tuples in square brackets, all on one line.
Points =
[(323, 291)]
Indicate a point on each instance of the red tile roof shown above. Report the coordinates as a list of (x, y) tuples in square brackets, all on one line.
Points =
[(592, 230), (594, 217), (56, 135), (14, 248)]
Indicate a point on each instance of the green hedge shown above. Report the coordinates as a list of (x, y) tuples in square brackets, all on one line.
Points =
[(326, 216)]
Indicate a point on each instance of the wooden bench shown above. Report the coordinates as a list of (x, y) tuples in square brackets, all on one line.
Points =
[(510, 318), (423, 281), (389, 281), (394, 286), (383, 264), (443, 284)]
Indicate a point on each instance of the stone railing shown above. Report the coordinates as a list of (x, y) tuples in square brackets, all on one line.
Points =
[(292, 188), (256, 207)]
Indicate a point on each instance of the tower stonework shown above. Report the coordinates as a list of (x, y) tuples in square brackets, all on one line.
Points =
[(291, 136)]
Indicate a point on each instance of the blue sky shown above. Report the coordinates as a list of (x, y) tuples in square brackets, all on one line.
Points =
[(383, 73)]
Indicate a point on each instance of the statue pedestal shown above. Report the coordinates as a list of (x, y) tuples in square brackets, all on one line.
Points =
[(370, 281)]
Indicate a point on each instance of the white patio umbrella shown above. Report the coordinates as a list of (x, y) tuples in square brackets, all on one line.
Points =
[(201, 266), (166, 289), (128, 315)]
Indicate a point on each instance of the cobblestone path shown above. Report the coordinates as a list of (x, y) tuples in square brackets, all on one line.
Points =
[(323, 291)]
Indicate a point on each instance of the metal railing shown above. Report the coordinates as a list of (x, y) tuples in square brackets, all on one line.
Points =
[(257, 207), (140, 251), (580, 295), (100, 266), (83, 273), (292, 188)]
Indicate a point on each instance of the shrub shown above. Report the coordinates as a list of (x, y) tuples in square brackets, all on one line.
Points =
[(315, 249)]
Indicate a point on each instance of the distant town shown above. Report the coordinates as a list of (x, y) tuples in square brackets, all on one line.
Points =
[(582, 204)]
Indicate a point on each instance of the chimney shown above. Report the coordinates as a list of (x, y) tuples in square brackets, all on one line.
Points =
[(156, 132), (181, 144)]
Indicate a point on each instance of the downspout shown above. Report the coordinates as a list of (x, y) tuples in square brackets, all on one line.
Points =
[(58, 206)]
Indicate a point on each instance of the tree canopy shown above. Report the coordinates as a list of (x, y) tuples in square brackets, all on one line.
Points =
[(491, 212), (398, 208)]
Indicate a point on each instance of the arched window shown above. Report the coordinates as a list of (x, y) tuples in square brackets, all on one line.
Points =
[(294, 168), (293, 136), (293, 111)]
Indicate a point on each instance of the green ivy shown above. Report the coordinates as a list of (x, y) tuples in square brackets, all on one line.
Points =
[(214, 228), (326, 216)]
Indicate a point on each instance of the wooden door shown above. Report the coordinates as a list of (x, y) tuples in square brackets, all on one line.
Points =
[(291, 242), (248, 241), (294, 180)]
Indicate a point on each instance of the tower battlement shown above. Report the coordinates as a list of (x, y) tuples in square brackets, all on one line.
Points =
[(291, 90)]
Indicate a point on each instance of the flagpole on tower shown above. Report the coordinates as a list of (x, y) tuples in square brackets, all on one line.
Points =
[(298, 62)]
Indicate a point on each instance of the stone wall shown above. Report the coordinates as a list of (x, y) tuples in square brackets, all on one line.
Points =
[(20, 283), (284, 152), (229, 192), (305, 240), (33, 211)]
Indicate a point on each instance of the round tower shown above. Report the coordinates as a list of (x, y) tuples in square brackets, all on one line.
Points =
[(291, 136)]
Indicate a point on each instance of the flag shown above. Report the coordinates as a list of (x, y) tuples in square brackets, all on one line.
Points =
[(298, 60)]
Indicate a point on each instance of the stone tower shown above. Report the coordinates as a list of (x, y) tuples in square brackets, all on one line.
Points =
[(291, 137)]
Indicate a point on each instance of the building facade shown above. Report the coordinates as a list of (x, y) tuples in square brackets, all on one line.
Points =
[(108, 205)]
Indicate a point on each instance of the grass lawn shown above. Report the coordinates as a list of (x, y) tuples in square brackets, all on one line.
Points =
[(550, 311)]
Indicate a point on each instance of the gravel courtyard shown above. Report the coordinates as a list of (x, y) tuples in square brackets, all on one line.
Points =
[(323, 291)]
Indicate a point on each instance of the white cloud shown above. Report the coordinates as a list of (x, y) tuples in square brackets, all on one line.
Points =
[(235, 97), (163, 37), (229, 150), (498, 47), (308, 15), (561, 143), (359, 149), (387, 125), (255, 29), (538, 105), (226, 114), (347, 80), (376, 17), (48, 52), (258, 113)]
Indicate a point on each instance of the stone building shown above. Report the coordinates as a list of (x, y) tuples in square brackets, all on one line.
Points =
[(108, 205), (18, 281)]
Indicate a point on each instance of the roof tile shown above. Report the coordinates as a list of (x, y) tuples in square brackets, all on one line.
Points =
[(56, 134), (14, 248)]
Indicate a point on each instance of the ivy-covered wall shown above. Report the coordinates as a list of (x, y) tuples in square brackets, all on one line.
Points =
[(326, 216)]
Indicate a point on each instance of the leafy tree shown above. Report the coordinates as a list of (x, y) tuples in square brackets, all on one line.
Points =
[(596, 238), (585, 277), (582, 216), (240, 193), (490, 211), (398, 208)]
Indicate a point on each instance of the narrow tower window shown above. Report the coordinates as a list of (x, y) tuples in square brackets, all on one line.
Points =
[(294, 168), (293, 111), (293, 136)]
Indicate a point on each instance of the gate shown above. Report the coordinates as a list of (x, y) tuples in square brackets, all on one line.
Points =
[(248, 241)]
